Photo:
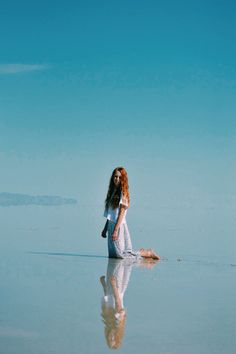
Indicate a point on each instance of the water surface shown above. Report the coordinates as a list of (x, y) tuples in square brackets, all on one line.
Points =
[(52, 265)]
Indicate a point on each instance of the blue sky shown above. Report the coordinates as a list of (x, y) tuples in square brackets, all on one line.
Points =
[(88, 85)]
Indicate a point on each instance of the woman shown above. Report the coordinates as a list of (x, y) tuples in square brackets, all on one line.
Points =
[(116, 205)]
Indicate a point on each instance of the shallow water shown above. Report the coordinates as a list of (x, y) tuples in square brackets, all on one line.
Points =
[(52, 261)]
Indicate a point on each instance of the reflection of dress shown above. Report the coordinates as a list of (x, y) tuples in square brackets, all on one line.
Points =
[(114, 286), (122, 247), (121, 270)]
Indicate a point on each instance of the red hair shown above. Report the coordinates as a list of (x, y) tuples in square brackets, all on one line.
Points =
[(113, 194)]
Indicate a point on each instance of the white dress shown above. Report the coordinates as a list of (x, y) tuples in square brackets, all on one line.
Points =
[(122, 247)]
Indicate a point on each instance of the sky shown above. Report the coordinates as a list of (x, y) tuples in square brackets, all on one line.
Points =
[(89, 85)]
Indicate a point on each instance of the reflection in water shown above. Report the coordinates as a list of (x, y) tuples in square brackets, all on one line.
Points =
[(114, 286)]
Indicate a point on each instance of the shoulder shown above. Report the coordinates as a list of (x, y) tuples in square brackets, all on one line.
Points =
[(124, 201)]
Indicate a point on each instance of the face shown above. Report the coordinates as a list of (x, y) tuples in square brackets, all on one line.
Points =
[(117, 178)]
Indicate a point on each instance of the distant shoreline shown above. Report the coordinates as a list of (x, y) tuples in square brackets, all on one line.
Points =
[(17, 199)]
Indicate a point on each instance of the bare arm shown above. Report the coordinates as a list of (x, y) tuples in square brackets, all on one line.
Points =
[(118, 223)]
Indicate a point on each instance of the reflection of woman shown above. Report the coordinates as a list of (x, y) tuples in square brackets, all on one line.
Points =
[(116, 204), (113, 312), (114, 286)]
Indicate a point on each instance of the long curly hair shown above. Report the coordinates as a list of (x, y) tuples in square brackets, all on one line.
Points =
[(114, 194), (114, 328)]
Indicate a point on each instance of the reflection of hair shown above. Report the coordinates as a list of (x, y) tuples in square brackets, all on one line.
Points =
[(114, 327), (114, 194)]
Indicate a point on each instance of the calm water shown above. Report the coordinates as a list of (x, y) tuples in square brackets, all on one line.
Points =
[(54, 272)]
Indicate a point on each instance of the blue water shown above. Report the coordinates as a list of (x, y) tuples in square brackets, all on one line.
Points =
[(52, 259)]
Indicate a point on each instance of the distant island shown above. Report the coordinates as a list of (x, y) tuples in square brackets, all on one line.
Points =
[(15, 199)]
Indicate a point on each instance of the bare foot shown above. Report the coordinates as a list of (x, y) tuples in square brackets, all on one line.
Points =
[(149, 253), (155, 255)]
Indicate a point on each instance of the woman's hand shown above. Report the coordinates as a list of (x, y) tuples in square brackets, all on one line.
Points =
[(114, 235), (104, 233), (118, 223)]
